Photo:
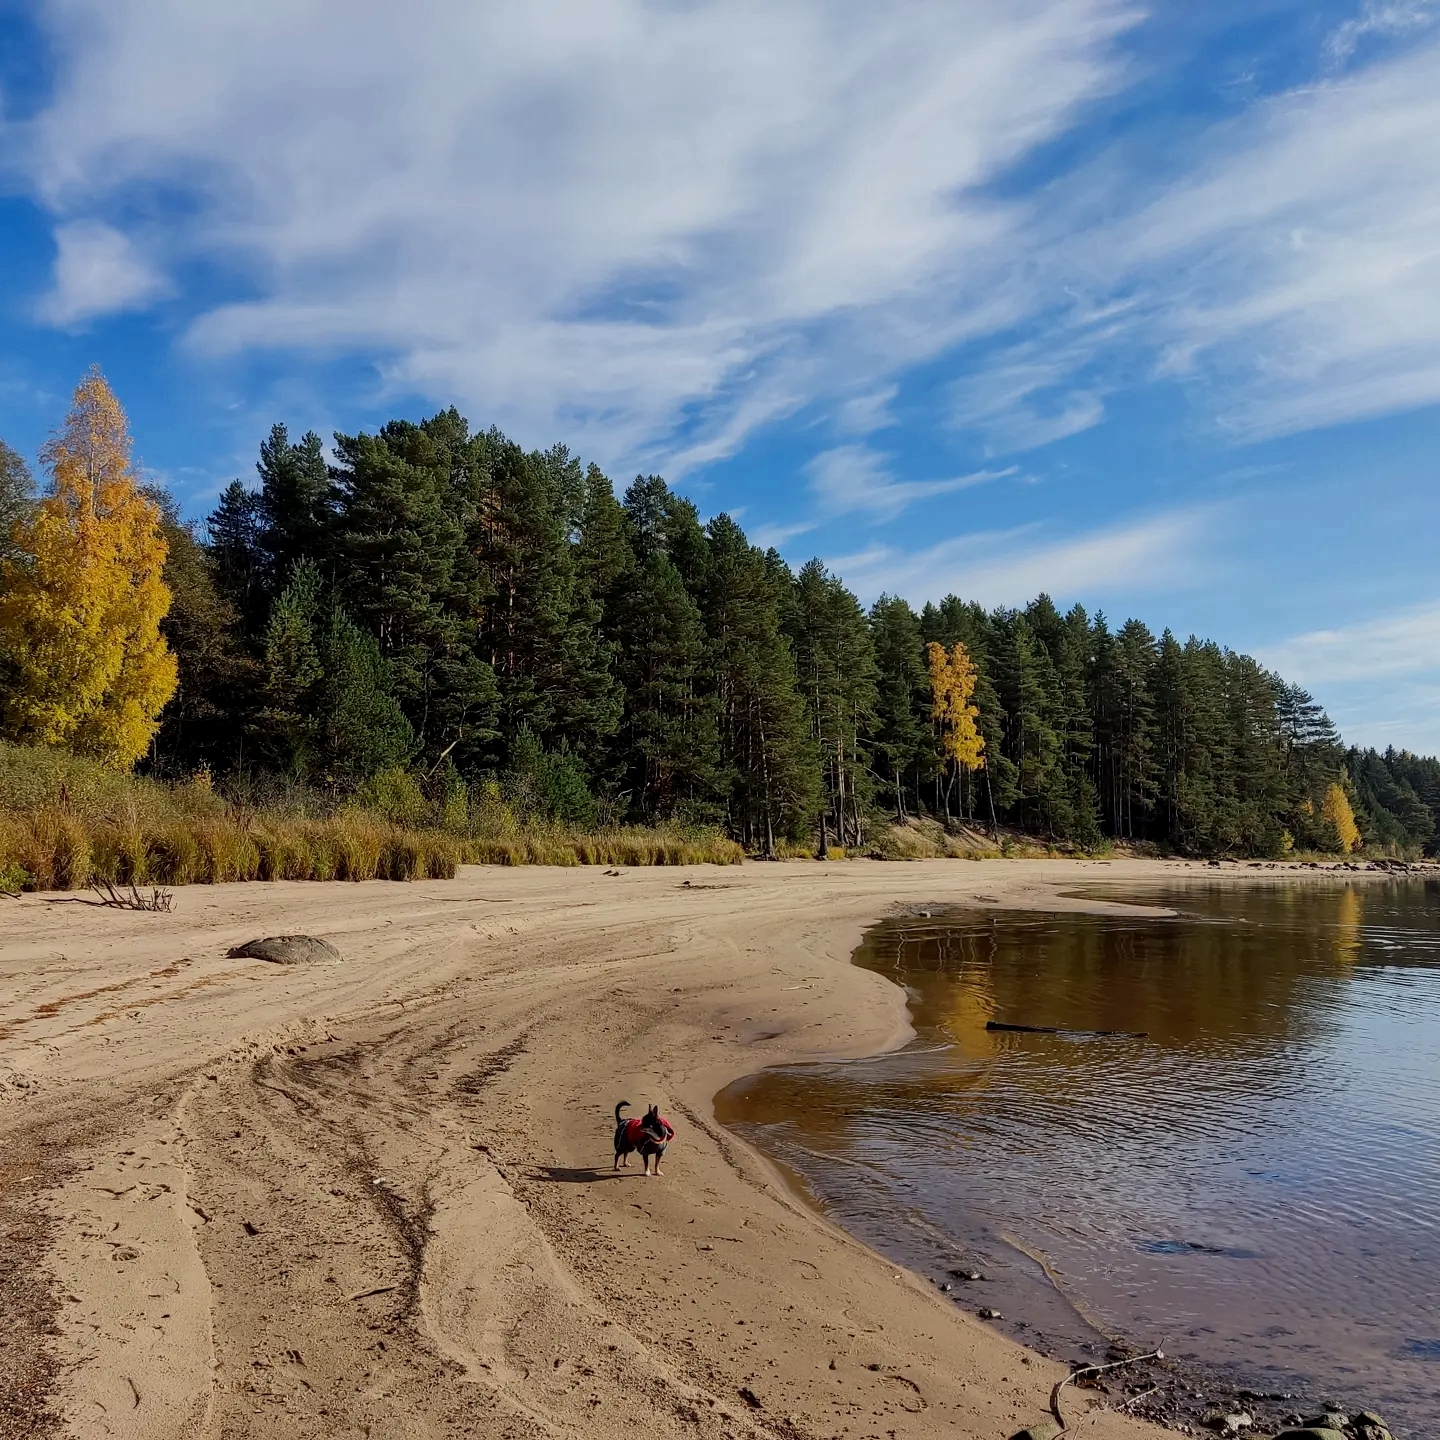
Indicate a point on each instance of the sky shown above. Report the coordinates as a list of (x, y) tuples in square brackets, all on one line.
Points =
[(1137, 304)]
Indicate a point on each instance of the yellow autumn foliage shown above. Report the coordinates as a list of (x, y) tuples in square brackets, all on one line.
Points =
[(81, 604), (953, 678), (1335, 811)]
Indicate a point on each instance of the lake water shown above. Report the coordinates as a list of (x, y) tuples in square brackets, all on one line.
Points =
[(1255, 1184)]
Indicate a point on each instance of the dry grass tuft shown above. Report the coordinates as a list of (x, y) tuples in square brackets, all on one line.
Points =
[(68, 824)]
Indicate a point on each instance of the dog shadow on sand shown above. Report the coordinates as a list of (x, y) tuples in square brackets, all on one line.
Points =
[(582, 1175)]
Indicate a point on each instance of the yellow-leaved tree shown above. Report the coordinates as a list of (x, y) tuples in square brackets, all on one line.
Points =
[(952, 682), (1335, 811), (81, 601)]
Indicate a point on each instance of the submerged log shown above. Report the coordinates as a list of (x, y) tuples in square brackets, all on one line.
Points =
[(1060, 1030)]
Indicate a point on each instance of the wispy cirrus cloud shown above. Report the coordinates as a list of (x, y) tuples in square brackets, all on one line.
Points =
[(1386, 18), (653, 226), (1404, 642), (854, 479), (1309, 252), (1289, 274), (1012, 567)]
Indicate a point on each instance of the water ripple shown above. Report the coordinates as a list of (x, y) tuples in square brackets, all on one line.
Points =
[(1261, 1175)]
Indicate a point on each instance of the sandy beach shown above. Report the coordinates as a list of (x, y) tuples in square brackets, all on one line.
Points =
[(374, 1197)]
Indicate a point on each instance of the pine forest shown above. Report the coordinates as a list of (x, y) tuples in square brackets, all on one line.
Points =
[(439, 614)]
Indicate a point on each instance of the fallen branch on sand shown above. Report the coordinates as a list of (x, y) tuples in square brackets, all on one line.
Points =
[(1060, 1030), (158, 900), (1074, 1375)]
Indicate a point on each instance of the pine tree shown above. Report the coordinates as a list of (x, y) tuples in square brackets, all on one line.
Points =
[(361, 729), (604, 559), (205, 721), (771, 766), (540, 630), (1026, 684), (837, 675), (288, 725), (669, 737), (234, 529), (401, 545), (295, 504), (83, 659), (902, 734)]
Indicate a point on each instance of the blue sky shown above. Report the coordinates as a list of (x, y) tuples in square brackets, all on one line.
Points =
[(1136, 304)]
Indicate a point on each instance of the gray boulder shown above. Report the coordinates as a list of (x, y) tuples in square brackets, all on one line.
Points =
[(286, 950), (1045, 1430)]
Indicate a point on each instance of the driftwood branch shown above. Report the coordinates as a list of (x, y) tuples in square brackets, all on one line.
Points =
[(162, 901), (1075, 1375)]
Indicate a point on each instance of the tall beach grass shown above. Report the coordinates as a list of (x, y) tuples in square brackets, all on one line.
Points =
[(67, 823)]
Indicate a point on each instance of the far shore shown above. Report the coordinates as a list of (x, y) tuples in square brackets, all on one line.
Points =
[(374, 1197)]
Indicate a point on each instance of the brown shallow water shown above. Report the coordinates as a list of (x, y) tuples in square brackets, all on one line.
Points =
[(1256, 1184)]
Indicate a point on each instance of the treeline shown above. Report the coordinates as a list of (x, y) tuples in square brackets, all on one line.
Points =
[(449, 605)]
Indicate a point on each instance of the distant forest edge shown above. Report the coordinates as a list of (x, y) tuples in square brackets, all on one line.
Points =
[(446, 632)]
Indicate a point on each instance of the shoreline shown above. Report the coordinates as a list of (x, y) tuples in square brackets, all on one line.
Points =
[(397, 1167)]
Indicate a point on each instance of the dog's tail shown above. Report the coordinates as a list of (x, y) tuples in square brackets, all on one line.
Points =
[(623, 1105)]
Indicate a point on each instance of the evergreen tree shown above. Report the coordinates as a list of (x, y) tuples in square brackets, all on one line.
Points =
[(295, 504), (205, 722), (288, 724), (361, 728), (403, 573), (837, 674), (1026, 683), (669, 735), (540, 631), (903, 749), (770, 765), (238, 563)]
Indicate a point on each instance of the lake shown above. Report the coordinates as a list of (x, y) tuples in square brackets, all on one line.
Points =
[(1255, 1184)]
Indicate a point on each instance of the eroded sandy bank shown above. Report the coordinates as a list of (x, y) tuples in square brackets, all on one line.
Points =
[(374, 1198)]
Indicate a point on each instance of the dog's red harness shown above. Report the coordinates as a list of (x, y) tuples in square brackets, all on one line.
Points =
[(635, 1132)]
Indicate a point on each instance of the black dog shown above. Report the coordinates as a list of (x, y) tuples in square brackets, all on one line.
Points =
[(649, 1136)]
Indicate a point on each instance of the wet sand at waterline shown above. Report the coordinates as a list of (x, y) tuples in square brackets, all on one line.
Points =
[(373, 1197)]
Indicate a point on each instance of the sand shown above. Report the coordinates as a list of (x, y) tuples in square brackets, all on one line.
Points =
[(373, 1197)]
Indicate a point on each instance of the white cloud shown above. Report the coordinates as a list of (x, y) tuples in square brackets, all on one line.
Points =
[(854, 478), (1298, 268), (1011, 568), (779, 536), (636, 223), (1290, 272), (1379, 17), (1024, 400), (864, 414), (97, 272), (1406, 642)]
